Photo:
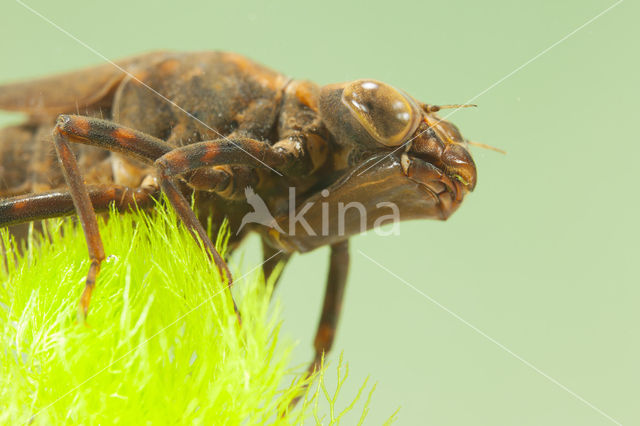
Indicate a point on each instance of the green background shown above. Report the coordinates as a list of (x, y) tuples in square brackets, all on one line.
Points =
[(535, 277)]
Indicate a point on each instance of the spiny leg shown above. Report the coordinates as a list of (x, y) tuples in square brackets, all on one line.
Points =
[(188, 217), (109, 135), (174, 162), (193, 158), (135, 144), (45, 205), (230, 151), (129, 142), (85, 211), (132, 143), (336, 281)]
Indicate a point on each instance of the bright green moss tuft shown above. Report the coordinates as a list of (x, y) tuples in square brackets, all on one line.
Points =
[(162, 344)]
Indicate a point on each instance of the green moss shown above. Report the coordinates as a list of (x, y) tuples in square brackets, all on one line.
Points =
[(161, 345)]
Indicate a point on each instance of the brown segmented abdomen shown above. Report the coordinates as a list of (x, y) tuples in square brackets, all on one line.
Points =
[(191, 97), (179, 97), (27, 158), (28, 161)]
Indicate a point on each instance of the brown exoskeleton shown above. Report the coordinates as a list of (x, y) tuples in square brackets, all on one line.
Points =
[(211, 125)]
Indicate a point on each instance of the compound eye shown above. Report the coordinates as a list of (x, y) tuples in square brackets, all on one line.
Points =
[(388, 115)]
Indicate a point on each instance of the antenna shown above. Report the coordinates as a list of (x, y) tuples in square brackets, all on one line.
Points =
[(485, 146), (436, 108)]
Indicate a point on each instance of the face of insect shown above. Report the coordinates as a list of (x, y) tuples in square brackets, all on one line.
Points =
[(413, 162), (375, 116)]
